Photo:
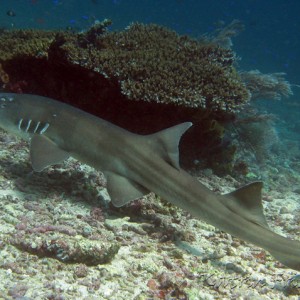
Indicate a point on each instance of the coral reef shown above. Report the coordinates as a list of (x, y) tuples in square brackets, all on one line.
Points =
[(148, 62), (154, 64)]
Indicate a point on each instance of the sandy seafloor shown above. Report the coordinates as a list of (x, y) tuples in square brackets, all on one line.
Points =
[(61, 239)]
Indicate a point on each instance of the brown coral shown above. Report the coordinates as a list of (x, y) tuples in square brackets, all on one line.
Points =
[(21, 43), (154, 64), (148, 62)]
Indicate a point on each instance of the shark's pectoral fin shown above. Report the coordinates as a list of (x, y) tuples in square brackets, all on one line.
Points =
[(246, 201), (43, 153), (123, 190), (166, 142)]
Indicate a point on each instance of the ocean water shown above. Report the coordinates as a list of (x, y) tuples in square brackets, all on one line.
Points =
[(59, 207), (270, 41)]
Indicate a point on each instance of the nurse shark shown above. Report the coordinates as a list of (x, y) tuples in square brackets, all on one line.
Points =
[(136, 164)]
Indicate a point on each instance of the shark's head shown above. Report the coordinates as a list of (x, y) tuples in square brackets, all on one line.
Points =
[(8, 112), (18, 115)]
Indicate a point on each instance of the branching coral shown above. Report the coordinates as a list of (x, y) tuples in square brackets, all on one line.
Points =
[(16, 43), (266, 86), (260, 135), (223, 34)]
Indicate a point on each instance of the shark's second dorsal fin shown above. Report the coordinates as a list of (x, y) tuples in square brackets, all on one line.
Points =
[(246, 201), (167, 141), (44, 153)]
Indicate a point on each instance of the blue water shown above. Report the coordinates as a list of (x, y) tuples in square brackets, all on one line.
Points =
[(270, 41)]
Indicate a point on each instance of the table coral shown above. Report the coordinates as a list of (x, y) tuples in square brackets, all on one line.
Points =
[(154, 64), (22, 43), (148, 62)]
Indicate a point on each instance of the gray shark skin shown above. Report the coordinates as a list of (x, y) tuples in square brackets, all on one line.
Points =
[(135, 164)]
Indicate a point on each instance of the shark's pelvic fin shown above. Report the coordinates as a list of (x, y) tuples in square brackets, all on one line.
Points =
[(44, 153), (123, 190), (246, 201), (166, 142)]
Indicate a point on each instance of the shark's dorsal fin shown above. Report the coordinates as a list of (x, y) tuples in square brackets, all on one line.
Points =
[(44, 153), (246, 201), (167, 141), (123, 190)]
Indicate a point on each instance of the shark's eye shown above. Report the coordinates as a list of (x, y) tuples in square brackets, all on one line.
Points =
[(6, 98)]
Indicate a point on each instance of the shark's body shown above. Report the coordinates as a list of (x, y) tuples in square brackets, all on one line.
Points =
[(135, 165)]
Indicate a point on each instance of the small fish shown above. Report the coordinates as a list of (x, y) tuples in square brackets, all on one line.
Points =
[(11, 13)]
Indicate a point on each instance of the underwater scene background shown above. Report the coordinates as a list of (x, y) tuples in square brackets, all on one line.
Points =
[(230, 67)]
